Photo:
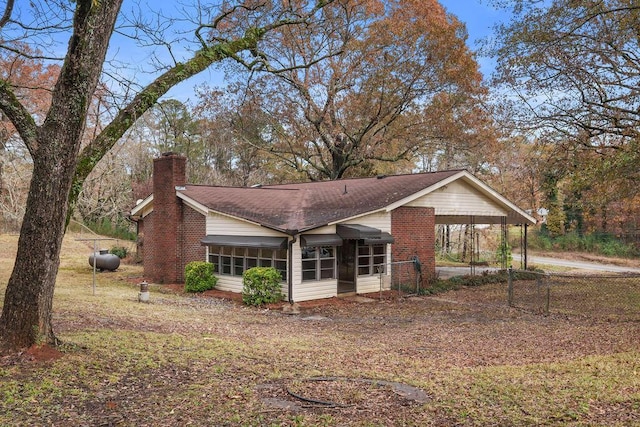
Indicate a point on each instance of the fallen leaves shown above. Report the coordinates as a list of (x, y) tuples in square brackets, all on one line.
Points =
[(204, 361)]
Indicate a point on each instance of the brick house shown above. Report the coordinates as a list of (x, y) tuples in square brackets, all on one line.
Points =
[(326, 238)]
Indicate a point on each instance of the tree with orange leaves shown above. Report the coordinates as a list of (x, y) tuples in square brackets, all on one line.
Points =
[(33, 81), (572, 70), (371, 108)]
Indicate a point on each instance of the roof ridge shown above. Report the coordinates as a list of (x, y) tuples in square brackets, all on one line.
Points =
[(262, 187), (378, 176)]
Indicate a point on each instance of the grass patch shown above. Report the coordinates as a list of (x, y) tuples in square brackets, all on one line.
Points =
[(183, 359)]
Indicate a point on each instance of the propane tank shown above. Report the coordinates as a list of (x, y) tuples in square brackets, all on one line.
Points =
[(104, 260)]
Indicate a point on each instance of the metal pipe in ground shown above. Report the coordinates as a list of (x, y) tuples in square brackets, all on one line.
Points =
[(143, 295)]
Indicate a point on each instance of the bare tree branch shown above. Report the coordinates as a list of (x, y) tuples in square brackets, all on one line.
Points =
[(6, 16), (19, 116)]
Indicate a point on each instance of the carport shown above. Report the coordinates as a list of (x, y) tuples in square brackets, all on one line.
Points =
[(470, 202)]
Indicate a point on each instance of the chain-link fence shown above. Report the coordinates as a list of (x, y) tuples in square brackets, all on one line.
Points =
[(609, 296), (405, 276)]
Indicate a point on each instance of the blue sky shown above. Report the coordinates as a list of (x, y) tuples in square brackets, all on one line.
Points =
[(479, 17)]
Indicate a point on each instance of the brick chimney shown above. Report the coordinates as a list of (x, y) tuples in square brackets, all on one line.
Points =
[(162, 256)]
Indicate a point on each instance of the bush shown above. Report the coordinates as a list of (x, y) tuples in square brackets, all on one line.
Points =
[(615, 248), (261, 285), (539, 240), (597, 243), (120, 251), (198, 277), (456, 282)]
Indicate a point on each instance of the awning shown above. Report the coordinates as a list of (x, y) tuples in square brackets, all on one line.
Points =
[(384, 238), (357, 231), (246, 241), (320, 240)]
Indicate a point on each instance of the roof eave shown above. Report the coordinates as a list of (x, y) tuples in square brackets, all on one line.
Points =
[(493, 193), (478, 184), (136, 211), (198, 207), (353, 217)]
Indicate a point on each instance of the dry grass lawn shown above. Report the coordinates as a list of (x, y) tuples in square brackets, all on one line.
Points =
[(453, 359)]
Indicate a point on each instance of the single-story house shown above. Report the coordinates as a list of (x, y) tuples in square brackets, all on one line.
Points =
[(326, 238)]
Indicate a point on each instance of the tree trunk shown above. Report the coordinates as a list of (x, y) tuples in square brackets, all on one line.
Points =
[(54, 147), (26, 314), (465, 243)]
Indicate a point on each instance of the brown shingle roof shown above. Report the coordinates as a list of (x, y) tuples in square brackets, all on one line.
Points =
[(300, 207)]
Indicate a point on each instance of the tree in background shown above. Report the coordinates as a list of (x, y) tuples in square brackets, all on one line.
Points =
[(60, 165), (402, 71), (574, 68), (32, 81), (107, 195), (233, 135), (172, 128)]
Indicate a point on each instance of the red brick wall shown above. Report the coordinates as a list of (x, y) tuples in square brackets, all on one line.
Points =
[(170, 234), (413, 230), (147, 246), (190, 230), (193, 230)]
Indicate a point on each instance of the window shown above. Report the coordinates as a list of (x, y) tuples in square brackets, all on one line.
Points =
[(318, 262), (372, 259), (225, 259), (234, 261)]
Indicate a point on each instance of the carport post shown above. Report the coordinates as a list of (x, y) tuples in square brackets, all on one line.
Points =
[(526, 227)]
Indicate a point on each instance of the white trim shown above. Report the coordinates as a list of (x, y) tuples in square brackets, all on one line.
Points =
[(226, 215), (206, 211), (140, 206), (193, 204), (476, 184), (425, 191), (500, 198)]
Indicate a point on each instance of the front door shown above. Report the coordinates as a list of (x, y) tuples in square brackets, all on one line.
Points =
[(347, 266)]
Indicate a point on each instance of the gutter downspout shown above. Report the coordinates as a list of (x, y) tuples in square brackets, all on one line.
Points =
[(290, 268)]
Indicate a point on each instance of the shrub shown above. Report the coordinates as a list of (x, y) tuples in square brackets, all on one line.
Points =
[(616, 248), (540, 240), (441, 286), (198, 276), (598, 243), (457, 282), (120, 251), (261, 285), (119, 228)]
